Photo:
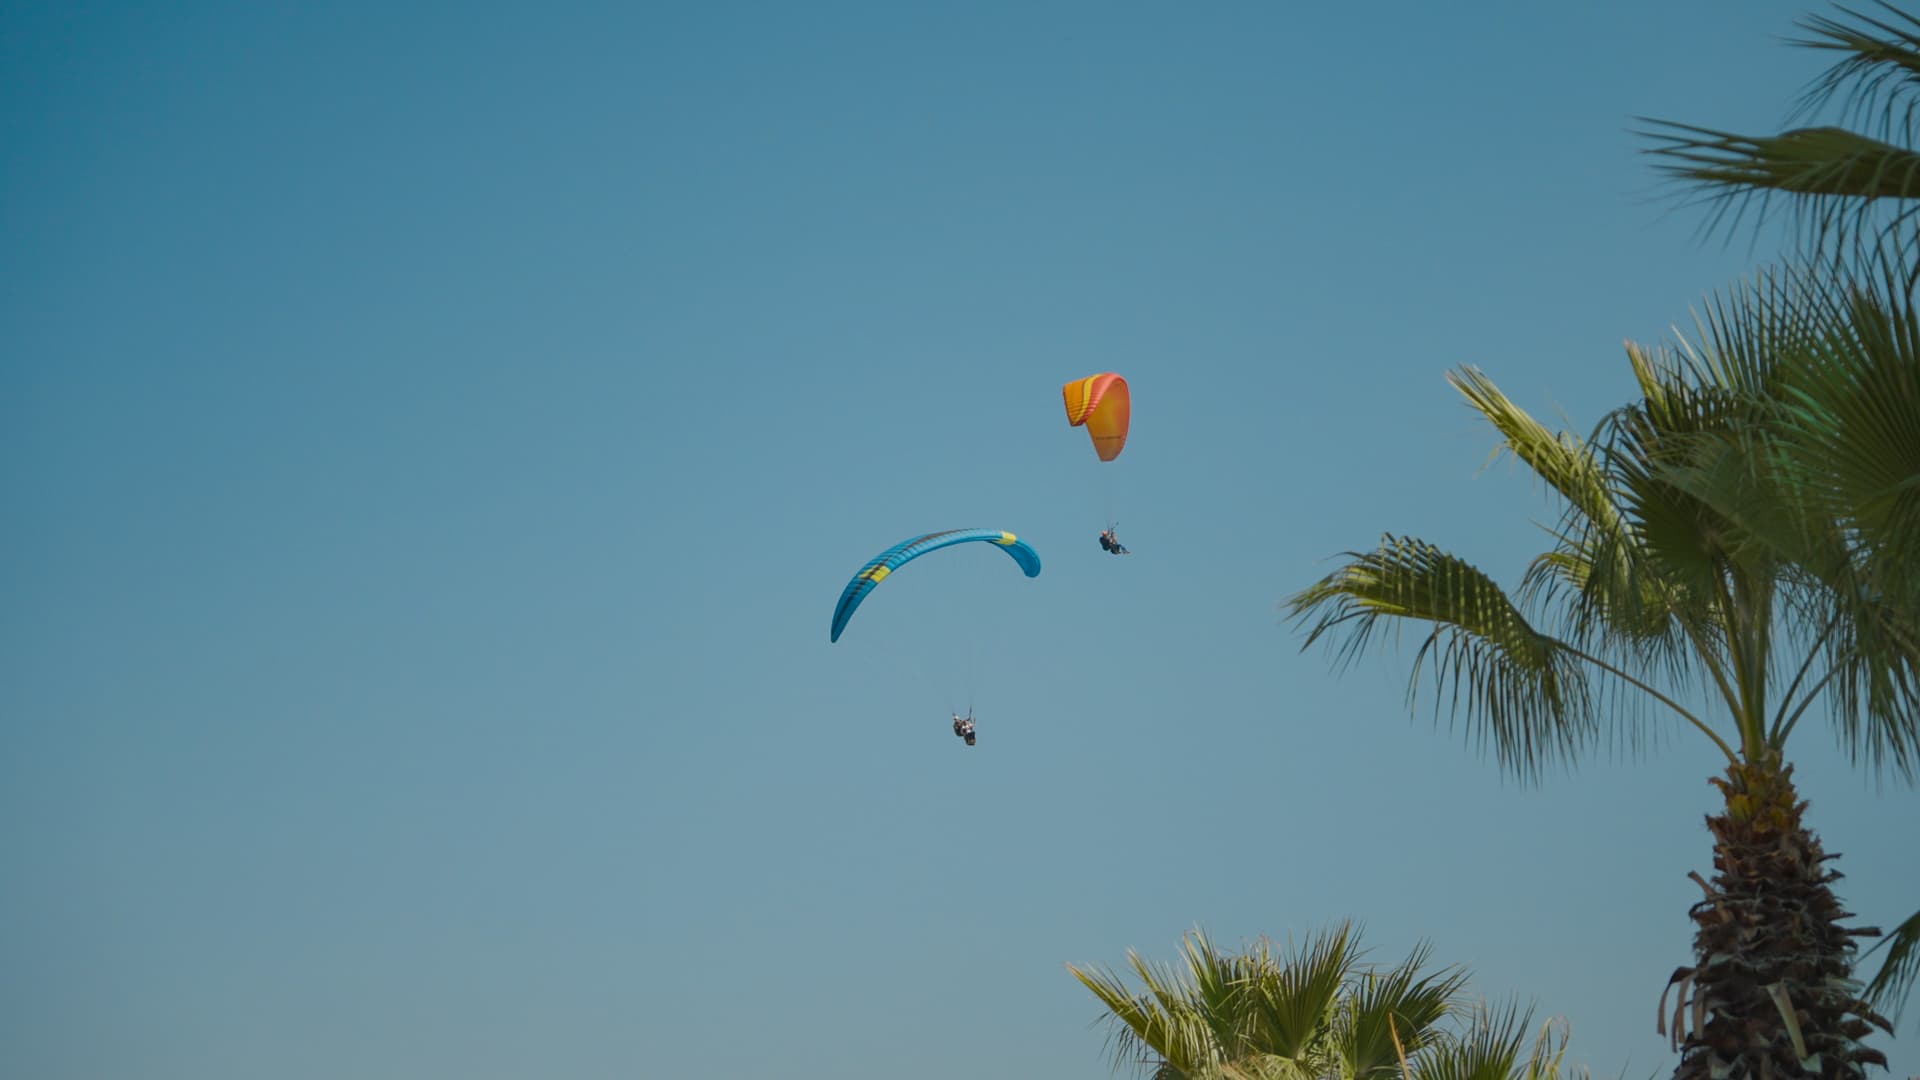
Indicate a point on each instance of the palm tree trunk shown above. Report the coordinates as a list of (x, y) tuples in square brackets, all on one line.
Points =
[(1771, 994)]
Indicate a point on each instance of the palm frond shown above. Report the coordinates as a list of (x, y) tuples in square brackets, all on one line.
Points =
[(1212, 985), (1162, 1022), (1404, 1003), (1679, 534), (1598, 569), (1290, 1001), (1565, 463), (1514, 687), (1494, 1046), (1812, 161), (1852, 416), (1877, 79), (1900, 971), (1851, 192), (1133, 1017), (1547, 1059), (1874, 691), (1609, 597), (1489, 1049)]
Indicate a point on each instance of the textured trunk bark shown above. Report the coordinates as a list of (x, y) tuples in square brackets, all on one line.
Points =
[(1769, 994)]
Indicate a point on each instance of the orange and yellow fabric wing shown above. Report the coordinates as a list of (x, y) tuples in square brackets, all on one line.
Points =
[(1102, 404)]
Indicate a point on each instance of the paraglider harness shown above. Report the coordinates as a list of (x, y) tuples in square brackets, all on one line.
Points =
[(964, 727), (1111, 544)]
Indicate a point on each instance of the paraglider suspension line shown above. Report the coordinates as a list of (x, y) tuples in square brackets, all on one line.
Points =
[(970, 648)]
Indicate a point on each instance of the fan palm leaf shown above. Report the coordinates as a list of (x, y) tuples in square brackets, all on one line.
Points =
[(1853, 191), (1494, 1047), (1403, 1004), (1290, 1002), (1901, 968)]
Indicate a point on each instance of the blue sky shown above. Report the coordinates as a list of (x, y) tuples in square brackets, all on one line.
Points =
[(433, 438)]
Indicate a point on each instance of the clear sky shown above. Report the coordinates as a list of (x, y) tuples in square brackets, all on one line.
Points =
[(433, 438)]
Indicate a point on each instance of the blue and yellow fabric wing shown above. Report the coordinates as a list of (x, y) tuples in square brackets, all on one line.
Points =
[(906, 551)]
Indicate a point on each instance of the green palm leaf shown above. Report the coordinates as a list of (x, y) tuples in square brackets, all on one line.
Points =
[(1402, 1001), (1565, 463), (1817, 161), (1851, 418), (1900, 970), (1877, 79), (1494, 1047), (1289, 1002), (1165, 1021), (1516, 688), (1613, 600), (1847, 187)]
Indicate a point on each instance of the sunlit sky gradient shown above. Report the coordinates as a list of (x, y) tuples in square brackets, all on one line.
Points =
[(433, 438)]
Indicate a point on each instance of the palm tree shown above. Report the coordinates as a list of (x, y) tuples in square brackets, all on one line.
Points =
[(1857, 193), (1315, 1013), (1731, 535)]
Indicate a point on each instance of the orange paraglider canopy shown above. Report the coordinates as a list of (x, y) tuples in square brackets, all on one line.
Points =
[(1101, 403)]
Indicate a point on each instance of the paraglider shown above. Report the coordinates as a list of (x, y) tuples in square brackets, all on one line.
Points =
[(1104, 406), (880, 566), (963, 727)]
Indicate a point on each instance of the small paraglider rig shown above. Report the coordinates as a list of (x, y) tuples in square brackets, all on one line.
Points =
[(963, 726)]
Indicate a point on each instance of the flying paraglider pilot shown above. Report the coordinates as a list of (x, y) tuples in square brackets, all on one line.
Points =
[(963, 727), (1111, 544)]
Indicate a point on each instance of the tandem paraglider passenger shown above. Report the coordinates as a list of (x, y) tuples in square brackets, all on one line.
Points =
[(963, 726), (1111, 544)]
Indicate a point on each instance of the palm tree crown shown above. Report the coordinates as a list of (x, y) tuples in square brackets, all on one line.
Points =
[(1316, 1012), (1738, 550), (1743, 529)]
